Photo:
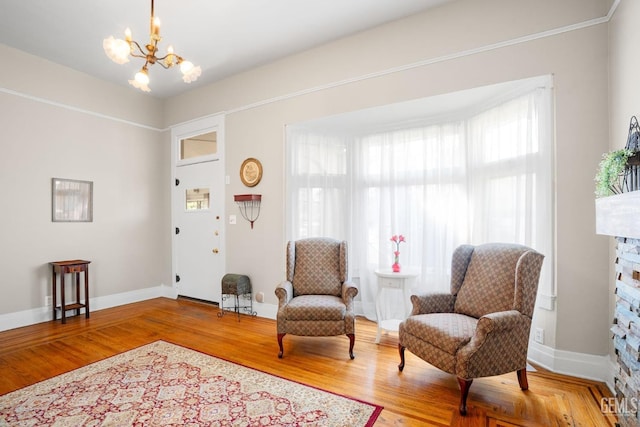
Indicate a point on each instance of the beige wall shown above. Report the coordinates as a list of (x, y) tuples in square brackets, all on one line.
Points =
[(577, 59), (432, 53), (29, 75), (55, 130), (624, 77)]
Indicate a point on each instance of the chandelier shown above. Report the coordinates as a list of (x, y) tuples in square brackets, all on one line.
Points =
[(119, 50)]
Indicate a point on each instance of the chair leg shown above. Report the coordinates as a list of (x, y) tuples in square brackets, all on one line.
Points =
[(522, 379), (401, 351), (464, 392), (352, 340), (280, 336)]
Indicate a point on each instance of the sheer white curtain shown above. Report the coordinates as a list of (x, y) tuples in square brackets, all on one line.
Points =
[(409, 182), (483, 176), (317, 186)]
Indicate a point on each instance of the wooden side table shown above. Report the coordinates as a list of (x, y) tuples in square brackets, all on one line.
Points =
[(387, 279), (74, 267)]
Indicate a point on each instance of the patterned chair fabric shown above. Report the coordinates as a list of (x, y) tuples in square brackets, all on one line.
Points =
[(316, 299), (481, 328)]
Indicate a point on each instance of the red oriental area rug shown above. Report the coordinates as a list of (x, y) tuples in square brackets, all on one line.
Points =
[(163, 384)]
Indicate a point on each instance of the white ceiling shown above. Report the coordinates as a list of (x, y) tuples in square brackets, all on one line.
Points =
[(224, 37)]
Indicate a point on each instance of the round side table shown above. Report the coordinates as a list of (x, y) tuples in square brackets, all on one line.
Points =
[(402, 281)]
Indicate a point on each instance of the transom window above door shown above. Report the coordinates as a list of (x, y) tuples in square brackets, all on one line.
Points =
[(198, 148)]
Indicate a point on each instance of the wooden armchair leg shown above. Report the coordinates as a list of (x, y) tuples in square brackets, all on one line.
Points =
[(464, 392), (401, 351), (280, 336), (522, 379), (352, 340)]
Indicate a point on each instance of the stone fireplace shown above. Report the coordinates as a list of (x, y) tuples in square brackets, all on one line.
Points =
[(619, 216)]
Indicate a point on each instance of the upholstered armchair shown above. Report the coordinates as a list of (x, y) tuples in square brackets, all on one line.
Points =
[(481, 328), (316, 299)]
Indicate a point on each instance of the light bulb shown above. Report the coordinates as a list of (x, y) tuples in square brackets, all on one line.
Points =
[(189, 72), (142, 77), (155, 28), (168, 61), (186, 67), (116, 49), (127, 34), (140, 84)]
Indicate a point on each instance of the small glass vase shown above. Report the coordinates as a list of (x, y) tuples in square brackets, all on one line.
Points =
[(396, 263)]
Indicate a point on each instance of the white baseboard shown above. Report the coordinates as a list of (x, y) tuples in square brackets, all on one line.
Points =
[(43, 314), (268, 311), (581, 365)]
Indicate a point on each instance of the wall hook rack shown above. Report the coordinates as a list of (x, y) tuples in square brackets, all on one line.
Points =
[(249, 205)]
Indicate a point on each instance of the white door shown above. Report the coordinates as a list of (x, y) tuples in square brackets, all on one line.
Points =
[(198, 204)]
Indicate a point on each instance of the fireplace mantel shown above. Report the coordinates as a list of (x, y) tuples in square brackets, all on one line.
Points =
[(619, 215)]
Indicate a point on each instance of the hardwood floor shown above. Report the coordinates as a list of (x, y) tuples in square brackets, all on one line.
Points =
[(419, 396)]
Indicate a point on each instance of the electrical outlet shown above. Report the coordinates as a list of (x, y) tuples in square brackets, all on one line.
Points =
[(48, 301), (539, 336)]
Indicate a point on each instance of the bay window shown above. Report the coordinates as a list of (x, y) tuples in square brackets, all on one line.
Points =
[(473, 174)]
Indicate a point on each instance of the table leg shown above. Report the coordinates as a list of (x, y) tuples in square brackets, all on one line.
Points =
[(54, 292), (86, 292), (63, 309), (378, 312), (78, 293)]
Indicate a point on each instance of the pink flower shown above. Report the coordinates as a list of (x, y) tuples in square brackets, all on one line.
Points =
[(397, 239)]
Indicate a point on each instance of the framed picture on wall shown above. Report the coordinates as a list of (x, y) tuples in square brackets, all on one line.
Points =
[(251, 172), (71, 200)]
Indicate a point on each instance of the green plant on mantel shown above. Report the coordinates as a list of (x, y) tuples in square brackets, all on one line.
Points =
[(611, 168)]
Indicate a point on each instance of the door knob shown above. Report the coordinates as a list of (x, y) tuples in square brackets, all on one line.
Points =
[(215, 251)]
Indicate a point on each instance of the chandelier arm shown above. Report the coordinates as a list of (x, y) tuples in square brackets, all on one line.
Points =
[(173, 60), (142, 53), (159, 61), (135, 55)]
